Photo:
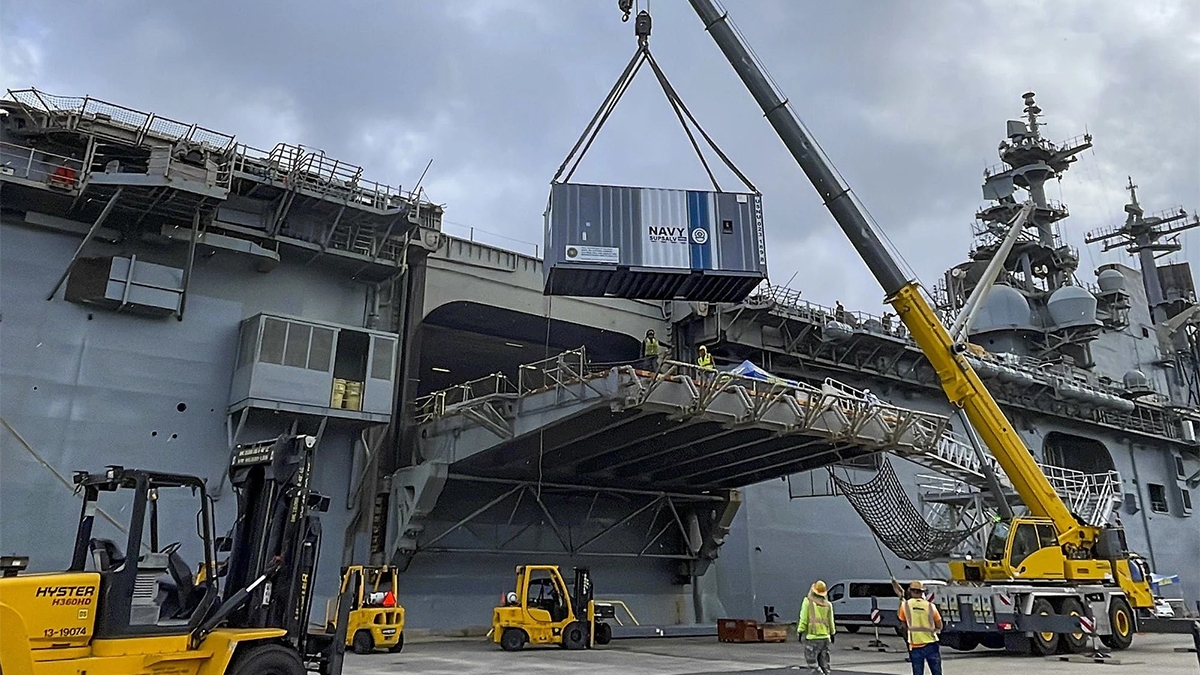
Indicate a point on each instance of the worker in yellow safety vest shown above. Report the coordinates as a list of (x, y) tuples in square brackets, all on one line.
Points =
[(816, 628), (923, 622), (704, 360), (650, 350)]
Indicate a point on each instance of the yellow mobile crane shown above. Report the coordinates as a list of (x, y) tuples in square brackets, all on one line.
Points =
[(1042, 571)]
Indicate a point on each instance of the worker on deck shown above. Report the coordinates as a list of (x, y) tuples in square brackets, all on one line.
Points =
[(704, 364), (650, 350), (816, 628), (923, 622)]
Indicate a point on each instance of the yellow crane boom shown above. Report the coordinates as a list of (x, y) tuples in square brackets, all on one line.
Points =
[(958, 379)]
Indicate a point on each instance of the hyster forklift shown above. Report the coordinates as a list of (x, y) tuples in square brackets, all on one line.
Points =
[(376, 619), (142, 610), (541, 611)]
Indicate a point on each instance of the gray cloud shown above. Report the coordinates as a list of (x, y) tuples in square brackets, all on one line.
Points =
[(909, 99)]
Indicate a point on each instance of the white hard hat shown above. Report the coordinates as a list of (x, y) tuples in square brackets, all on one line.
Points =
[(511, 597)]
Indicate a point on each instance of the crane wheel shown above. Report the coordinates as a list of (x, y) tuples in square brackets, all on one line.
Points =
[(363, 643), (267, 659), (513, 639), (1072, 643), (575, 635), (1044, 644), (1120, 617), (603, 633)]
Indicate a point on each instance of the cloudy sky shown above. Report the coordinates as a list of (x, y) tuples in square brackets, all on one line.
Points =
[(908, 98)]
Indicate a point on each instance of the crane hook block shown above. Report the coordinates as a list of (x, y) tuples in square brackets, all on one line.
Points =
[(641, 25), (626, 6)]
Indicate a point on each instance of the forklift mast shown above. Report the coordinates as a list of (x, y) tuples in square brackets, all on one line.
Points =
[(278, 533), (582, 593)]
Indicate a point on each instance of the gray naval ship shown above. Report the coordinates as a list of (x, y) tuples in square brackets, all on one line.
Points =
[(169, 293)]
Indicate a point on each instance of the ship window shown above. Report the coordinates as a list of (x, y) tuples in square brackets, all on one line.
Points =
[(350, 360), (273, 337), (1158, 498), (248, 341), (296, 352), (321, 349), (1180, 470), (727, 227), (1186, 495), (381, 366)]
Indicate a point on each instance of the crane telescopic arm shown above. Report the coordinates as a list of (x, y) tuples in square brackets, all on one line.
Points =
[(960, 382)]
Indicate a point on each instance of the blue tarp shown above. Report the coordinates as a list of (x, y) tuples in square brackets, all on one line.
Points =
[(748, 369)]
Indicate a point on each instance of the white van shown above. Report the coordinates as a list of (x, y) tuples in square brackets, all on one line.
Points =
[(851, 600)]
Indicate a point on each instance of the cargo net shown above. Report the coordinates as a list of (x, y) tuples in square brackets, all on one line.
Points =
[(886, 508)]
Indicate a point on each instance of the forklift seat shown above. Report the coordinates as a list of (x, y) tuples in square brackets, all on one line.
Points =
[(106, 555)]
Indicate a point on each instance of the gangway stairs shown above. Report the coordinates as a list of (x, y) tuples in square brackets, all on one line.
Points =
[(1091, 496)]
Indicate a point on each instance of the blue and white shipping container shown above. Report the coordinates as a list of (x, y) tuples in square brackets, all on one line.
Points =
[(653, 244)]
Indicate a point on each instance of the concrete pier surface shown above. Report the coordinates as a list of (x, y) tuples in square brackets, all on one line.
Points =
[(705, 656)]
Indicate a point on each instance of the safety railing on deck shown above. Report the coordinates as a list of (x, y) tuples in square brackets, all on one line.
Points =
[(56, 171), (482, 399), (68, 111), (789, 301), (435, 405), (300, 167), (569, 367)]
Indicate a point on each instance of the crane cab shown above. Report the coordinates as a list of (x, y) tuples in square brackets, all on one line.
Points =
[(542, 611), (1027, 548)]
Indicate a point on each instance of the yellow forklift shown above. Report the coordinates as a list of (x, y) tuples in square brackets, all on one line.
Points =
[(542, 611), (376, 620), (141, 610)]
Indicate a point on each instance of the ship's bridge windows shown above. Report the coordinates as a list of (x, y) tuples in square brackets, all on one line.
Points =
[(309, 363), (381, 365), (1158, 498)]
